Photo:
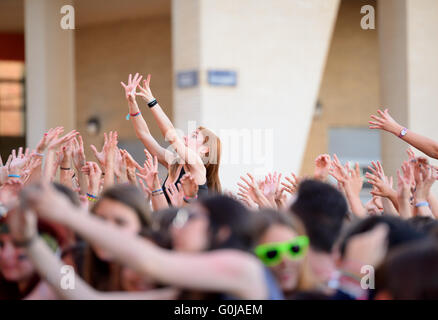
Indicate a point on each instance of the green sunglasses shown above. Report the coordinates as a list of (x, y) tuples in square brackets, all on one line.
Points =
[(272, 253)]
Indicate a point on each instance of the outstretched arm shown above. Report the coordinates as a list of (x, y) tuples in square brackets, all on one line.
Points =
[(384, 121), (51, 268), (190, 157), (227, 271), (165, 157)]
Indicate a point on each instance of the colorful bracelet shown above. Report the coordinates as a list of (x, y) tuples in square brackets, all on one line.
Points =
[(422, 204), (152, 103), (91, 195), (14, 176), (158, 190), (190, 199), (129, 115)]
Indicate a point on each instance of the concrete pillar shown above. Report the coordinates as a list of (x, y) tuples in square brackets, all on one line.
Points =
[(278, 53), (409, 71), (49, 69)]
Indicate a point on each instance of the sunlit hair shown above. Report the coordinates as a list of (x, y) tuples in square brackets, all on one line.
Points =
[(211, 160)]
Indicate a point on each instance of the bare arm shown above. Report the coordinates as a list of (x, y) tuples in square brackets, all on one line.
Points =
[(227, 271), (385, 122), (168, 131), (50, 268), (165, 157)]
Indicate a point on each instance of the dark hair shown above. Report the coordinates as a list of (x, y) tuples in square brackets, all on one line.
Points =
[(224, 211), (322, 209), (160, 230), (100, 274), (400, 231), (409, 272), (71, 195), (424, 224), (130, 196)]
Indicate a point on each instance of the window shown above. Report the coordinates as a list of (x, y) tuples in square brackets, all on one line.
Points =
[(356, 145), (12, 106)]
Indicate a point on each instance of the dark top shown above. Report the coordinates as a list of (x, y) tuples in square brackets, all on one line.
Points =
[(203, 189)]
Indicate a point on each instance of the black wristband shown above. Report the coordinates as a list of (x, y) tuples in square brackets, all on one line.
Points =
[(152, 103), (65, 168)]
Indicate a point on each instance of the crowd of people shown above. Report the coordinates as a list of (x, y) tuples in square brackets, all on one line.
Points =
[(123, 233)]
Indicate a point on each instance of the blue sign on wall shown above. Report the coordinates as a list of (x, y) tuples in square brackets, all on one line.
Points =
[(187, 79), (222, 78)]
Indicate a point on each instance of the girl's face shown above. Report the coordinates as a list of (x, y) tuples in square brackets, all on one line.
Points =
[(118, 214), (14, 264), (194, 141), (287, 272), (189, 229)]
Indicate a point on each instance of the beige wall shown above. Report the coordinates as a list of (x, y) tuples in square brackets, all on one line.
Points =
[(409, 51), (278, 52), (394, 76), (50, 91), (349, 91), (105, 55)]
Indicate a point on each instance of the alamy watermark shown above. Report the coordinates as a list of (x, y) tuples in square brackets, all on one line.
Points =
[(368, 21), (68, 19)]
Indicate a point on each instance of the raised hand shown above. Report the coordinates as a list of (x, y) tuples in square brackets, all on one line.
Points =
[(18, 162), (100, 156), (176, 195), (384, 121), (253, 190), (145, 90), (403, 195), (189, 185), (381, 183), (78, 153), (94, 172), (408, 172), (322, 167), (47, 138), (130, 162), (245, 198), (291, 186), (147, 192), (9, 192), (56, 143), (4, 170), (427, 177), (269, 186), (351, 182), (149, 171), (130, 88), (34, 162), (120, 168)]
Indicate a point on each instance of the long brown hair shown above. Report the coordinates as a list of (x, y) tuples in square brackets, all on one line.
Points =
[(103, 275), (211, 160)]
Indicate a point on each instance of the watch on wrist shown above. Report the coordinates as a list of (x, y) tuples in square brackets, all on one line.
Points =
[(403, 132)]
